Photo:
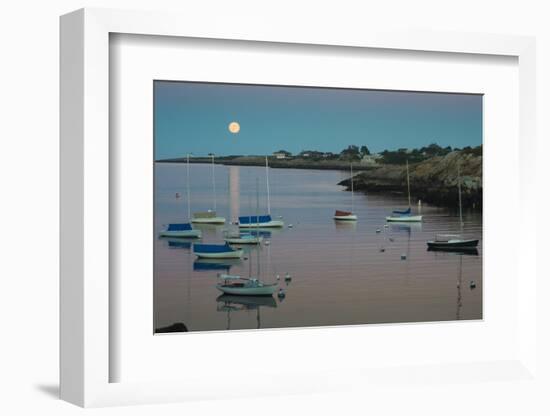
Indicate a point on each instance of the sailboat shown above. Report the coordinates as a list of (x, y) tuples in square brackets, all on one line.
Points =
[(262, 221), (405, 215), (184, 230), (347, 215), (453, 241), (251, 286), (237, 285), (210, 216), (235, 236)]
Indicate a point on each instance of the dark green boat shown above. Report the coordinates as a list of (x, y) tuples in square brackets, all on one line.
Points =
[(452, 242)]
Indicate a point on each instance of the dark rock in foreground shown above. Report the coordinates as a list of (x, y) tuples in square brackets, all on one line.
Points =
[(175, 327), (434, 180)]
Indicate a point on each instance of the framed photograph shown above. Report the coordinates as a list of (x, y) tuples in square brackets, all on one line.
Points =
[(288, 206), (250, 215)]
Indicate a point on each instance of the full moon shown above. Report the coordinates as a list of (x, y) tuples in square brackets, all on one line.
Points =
[(234, 127)]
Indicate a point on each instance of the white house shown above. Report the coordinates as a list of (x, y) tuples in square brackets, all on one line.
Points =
[(281, 155), (371, 159)]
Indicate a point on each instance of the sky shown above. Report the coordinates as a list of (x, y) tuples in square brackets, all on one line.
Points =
[(192, 117)]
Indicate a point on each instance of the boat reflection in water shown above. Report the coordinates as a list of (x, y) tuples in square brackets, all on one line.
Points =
[(406, 228), (235, 303), (178, 243), (443, 254), (469, 251), (202, 264), (345, 225)]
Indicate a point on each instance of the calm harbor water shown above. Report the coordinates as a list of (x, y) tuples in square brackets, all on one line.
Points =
[(342, 273)]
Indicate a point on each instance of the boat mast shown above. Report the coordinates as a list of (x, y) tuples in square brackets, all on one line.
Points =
[(249, 207), (213, 182), (408, 183), (351, 173), (459, 290), (460, 197), (188, 192), (267, 185), (250, 222), (258, 222)]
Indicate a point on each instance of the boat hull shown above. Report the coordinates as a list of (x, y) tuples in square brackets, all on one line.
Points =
[(236, 240), (270, 224), (345, 217), (182, 234), (450, 245), (265, 290), (411, 218), (235, 254), (213, 220)]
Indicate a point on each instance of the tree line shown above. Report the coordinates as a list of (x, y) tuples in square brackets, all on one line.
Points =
[(394, 157)]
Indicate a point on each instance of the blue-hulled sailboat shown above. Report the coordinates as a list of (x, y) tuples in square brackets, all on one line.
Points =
[(262, 221), (405, 215), (184, 230)]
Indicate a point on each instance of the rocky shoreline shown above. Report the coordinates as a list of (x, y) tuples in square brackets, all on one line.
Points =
[(434, 181)]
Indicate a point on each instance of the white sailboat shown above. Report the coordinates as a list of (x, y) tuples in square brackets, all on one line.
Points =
[(262, 221), (453, 241), (183, 230), (405, 215), (210, 216), (347, 215), (237, 285), (235, 236)]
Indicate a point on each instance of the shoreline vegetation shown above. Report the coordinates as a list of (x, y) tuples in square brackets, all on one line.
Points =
[(433, 170), (434, 180)]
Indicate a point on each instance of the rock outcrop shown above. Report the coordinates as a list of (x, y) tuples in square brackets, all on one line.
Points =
[(434, 180)]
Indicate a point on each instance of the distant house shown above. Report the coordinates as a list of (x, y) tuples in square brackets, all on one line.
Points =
[(282, 154), (310, 154), (371, 159)]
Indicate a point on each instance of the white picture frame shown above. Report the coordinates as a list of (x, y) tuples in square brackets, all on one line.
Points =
[(85, 210)]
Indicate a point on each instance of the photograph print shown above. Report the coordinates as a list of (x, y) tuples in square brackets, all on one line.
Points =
[(292, 207)]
